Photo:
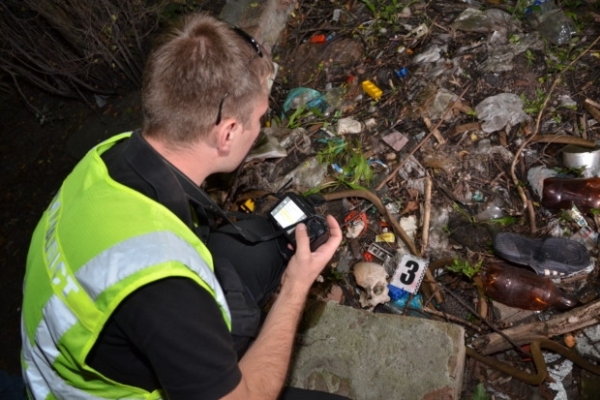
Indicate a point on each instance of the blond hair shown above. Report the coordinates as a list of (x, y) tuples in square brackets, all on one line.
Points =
[(197, 68)]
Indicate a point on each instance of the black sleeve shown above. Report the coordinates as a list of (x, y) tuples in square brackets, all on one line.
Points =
[(178, 328)]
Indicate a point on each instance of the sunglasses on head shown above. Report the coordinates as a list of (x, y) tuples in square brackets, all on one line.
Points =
[(246, 36)]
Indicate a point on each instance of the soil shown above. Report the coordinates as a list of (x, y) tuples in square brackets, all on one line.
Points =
[(44, 136)]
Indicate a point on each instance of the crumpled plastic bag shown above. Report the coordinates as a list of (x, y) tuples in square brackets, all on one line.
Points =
[(303, 97), (431, 54), (308, 175), (499, 111), (536, 176), (492, 19), (501, 53), (349, 125), (268, 147), (274, 142), (298, 138), (550, 21), (443, 98)]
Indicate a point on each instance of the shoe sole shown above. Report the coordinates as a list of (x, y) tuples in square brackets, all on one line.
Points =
[(549, 256)]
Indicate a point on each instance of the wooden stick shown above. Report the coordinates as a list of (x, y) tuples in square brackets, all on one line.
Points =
[(592, 103), (565, 139), (453, 318), (426, 215), (436, 132), (569, 321), (583, 123), (471, 126), (592, 110)]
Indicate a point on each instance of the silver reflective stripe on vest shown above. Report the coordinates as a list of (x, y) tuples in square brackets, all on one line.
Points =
[(40, 376), (133, 255), (105, 270)]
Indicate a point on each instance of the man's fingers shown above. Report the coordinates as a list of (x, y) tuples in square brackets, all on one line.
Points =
[(302, 240), (335, 238), (334, 228)]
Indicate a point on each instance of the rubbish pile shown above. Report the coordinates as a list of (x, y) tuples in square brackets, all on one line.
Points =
[(457, 144)]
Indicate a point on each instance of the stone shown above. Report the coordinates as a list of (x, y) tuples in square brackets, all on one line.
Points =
[(372, 356)]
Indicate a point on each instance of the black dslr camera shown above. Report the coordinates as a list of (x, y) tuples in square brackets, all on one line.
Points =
[(293, 209)]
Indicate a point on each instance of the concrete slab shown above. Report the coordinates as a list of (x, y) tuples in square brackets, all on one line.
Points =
[(368, 356)]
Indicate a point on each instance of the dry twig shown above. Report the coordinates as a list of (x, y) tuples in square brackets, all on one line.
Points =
[(593, 108), (569, 321), (78, 46), (426, 215), (450, 317)]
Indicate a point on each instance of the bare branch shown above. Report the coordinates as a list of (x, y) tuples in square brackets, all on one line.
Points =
[(75, 48)]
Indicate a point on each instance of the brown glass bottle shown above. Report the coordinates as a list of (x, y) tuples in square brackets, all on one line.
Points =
[(563, 193), (524, 289)]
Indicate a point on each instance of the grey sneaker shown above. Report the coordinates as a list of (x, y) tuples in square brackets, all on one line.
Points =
[(547, 256)]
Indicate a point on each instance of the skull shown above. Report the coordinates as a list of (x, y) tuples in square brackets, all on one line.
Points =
[(372, 278)]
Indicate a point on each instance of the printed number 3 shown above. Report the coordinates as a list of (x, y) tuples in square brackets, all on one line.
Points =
[(408, 277)]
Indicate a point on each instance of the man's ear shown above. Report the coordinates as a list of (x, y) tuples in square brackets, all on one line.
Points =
[(227, 132)]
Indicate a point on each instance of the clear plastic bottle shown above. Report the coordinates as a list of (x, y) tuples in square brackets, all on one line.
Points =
[(550, 21), (520, 288), (564, 193)]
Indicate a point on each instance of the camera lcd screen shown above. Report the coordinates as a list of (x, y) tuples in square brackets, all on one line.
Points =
[(287, 213)]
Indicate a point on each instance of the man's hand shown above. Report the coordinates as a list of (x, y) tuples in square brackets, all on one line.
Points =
[(304, 266), (265, 364)]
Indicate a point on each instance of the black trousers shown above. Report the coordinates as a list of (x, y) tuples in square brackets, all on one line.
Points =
[(259, 267)]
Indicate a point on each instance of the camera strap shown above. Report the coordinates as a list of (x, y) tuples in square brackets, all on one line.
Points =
[(179, 194), (202, 201)]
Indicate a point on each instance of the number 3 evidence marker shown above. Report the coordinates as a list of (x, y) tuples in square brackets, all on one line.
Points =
[(410, 273)]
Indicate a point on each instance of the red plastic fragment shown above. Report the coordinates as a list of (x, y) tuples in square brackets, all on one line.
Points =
[(318, 39)]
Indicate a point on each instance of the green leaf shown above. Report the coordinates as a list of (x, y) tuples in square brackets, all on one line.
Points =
[(352, 185), (480, 393), (465, 268), (292, 123), (370, 6)]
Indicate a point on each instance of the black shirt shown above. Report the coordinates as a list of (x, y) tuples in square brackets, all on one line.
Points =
[(169, 334)]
